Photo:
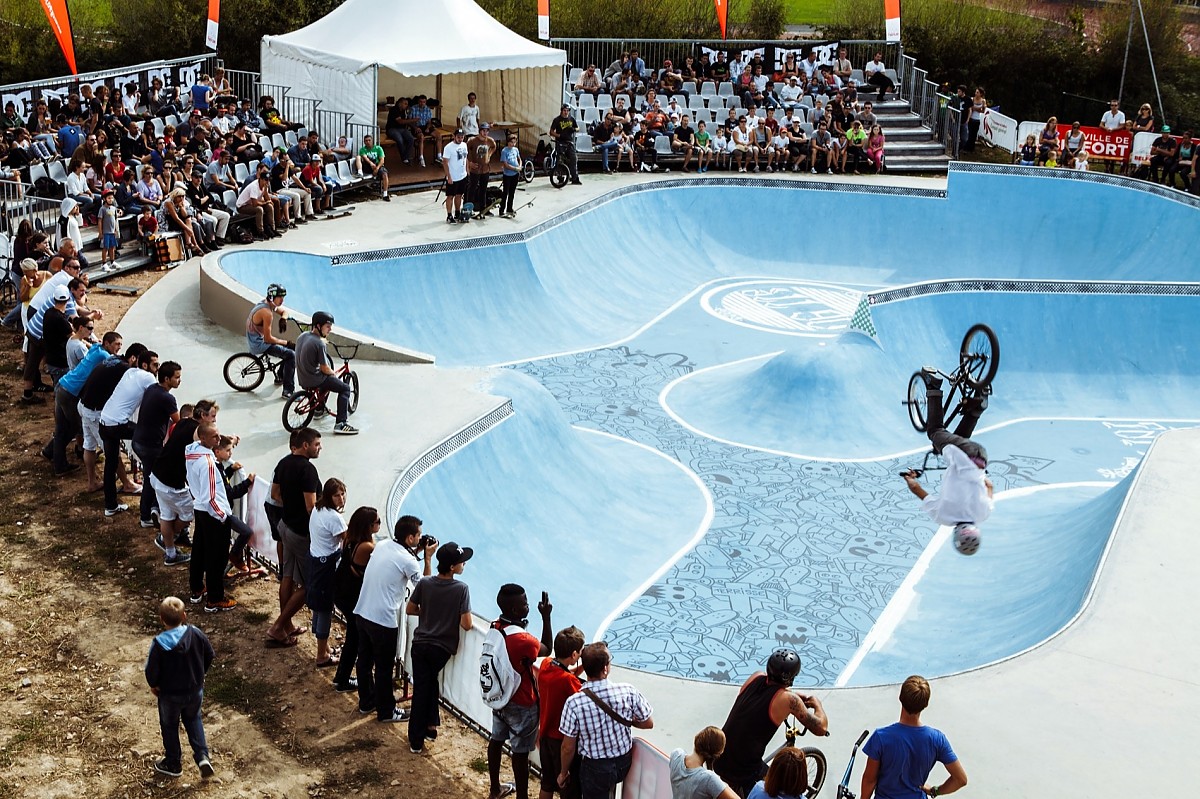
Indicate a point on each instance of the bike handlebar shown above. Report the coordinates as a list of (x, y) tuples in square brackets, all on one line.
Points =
[(351, 348), (861, 738)]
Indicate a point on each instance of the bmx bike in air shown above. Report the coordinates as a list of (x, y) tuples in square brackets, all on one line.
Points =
[(978, 360)]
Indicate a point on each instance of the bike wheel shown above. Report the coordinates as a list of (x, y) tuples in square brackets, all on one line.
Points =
[(298, 411), (352, 380), (528, 170), (8, 295), (814, 764), (244, 372), (559, 175), (979, 356), (917, 402)]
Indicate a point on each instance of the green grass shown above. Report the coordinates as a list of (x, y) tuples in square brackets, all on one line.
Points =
[(807, 12)]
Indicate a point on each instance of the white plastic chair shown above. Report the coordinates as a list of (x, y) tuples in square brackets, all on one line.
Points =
[(604, 102), (591, 116), (290, 139), (278, 141), (708, 89), (688, 87), (574, 75), (586, 100), (662, 145), (725, 89), (583, 143), (57, 172), (229, 197), (240, 173)]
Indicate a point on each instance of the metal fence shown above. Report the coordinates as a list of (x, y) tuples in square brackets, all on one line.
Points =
[(243, 83), (602, 52), (209, 61), (17, 204)]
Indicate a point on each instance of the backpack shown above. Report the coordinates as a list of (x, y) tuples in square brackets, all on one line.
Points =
[(498, 680)]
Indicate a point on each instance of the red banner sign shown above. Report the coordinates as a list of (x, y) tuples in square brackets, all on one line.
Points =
[(60, 23), (1110, 145)]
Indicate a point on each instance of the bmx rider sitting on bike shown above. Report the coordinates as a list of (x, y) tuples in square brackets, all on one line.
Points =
[(762, 704), (314, 368), (966, 496), (262, 341)]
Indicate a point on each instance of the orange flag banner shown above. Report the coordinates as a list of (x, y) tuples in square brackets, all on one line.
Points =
[(60, 23), (722, 7), (891, 14), (544, 19), (214, 21)]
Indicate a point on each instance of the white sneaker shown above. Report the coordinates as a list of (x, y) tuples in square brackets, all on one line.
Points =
[(421, 160), (828, 171), (814, 170)]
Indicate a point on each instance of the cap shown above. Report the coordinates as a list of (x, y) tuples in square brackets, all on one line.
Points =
[(451, 554), (459, 132), (107, 193), (485, 125), (1166, 128), (196, 112), (565, 107), (61, 294)]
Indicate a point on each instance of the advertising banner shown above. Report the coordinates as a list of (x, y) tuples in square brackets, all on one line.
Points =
[(60, 23), (891, 15), (214, 21), (181, 74), (1102, 145), (774, 55), (999, 130)]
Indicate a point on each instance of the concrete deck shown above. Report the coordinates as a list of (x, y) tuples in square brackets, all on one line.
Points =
[(1091, 713)]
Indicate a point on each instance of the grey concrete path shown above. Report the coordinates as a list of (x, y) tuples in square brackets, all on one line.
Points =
[(1102, 710)]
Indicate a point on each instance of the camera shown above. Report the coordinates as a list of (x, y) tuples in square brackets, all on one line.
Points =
[(425, 541)]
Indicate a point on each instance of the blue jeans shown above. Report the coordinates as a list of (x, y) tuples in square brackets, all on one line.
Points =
[(171, 709), (606, 148), (13, 318), (287, 369), (336, 386), (599, 777)]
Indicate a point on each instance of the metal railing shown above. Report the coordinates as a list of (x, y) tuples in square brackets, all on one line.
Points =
[(949, 126), (19, 204), (244, 83), (358, 130), (106, 75), (602, 52)]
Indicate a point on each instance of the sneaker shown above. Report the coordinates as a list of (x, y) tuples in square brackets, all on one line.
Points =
[(828, 171), (182, 540), (32, 399), (206, 769), (158, 542), (421, 160), (450, 220), (196, 599), (366, 710), (344, 429), (286, 395), (228, 603), (814, 170), (387, 198), (162, 767), (149, 524), (349, 686), (416, 750), (178, 559), (397, 716), (110, 512)]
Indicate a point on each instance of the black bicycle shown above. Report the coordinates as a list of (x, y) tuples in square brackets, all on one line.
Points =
[(246, 371), (552, 166), (814, 758), (300, 409), (978, 360), (8, 291)]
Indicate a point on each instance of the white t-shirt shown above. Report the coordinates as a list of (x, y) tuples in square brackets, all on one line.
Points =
[(455, 157), (1111, 121), (126, 398), (390, 572), (781, 142), (469, 117), (874, 66), (963, 497), (325, 527)]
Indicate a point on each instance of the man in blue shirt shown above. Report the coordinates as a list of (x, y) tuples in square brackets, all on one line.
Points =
[(900, 757), (67, 423)]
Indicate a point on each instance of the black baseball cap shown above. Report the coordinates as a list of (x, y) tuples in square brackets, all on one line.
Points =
[(451, 554)]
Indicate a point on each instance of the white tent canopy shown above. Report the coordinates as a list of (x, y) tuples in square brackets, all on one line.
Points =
[(365, 48)]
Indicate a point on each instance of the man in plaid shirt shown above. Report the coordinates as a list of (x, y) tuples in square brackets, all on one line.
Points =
[(600, 727)]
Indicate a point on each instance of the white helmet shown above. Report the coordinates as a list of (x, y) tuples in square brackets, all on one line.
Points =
[(966, 538)]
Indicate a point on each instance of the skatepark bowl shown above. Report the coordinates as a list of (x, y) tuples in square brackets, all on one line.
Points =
[(706, 381)]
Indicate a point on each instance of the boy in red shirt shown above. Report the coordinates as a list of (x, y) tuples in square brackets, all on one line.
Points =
[(517, 722), (556, 682)]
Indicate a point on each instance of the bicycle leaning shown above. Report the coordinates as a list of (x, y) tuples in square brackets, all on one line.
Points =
[(547, 156)]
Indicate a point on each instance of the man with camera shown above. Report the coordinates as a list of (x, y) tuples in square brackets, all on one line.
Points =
[(392, 570)]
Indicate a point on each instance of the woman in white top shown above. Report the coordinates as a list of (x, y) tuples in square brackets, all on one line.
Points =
[(692, 776), (325, 529)]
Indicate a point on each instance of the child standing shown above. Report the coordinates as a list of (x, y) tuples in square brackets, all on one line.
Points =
[(110, 232), (179, 658), (703, 147), (239, 565)]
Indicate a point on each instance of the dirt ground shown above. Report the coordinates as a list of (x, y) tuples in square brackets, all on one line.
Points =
[(78, 608)]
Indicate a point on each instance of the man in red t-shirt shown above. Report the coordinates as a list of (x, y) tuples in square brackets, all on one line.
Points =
[(517, 722), (556, 682)]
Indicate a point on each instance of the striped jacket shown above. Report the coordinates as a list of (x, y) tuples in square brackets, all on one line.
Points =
[(204, 481)]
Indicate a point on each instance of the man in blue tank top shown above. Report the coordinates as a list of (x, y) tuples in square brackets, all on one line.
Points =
[(261, 340), (762, 704), (900, 757)]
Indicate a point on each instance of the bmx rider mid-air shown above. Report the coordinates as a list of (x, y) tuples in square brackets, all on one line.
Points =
[(965, 499)]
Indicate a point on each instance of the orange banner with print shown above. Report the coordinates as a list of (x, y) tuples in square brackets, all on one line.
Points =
[(214, 22), (544, 19), (60, 22), (722, 14), (891, 15)]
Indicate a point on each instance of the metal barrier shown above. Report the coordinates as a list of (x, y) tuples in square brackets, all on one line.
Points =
[(949, 125), (358, 130), (602, 52), (19, 204), (95, 78), (244, 84)]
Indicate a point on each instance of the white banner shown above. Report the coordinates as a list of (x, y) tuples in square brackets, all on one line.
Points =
[(1142, 142), (999, 130)]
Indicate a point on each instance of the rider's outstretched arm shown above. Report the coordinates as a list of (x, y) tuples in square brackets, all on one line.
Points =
[(914, 486)]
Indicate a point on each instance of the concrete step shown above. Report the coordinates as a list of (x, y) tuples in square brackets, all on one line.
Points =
[(914, 148), (907, 134), (898, 120)]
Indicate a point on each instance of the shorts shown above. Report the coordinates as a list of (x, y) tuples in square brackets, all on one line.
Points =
[(174, 504), (90, 421), (110, 241), (550, 750), (456, 188), (517, 724), (294, 560)]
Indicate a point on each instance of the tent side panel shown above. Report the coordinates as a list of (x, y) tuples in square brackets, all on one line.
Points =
[(338, 89)]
